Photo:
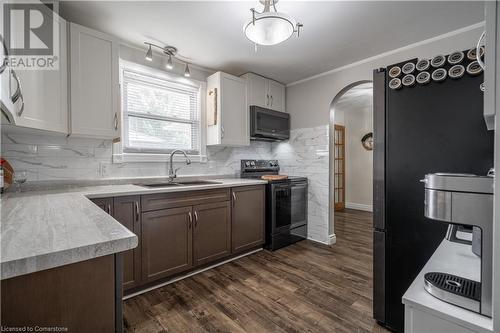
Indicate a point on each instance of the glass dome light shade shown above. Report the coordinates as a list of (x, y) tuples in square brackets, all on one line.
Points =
[(270, 28)]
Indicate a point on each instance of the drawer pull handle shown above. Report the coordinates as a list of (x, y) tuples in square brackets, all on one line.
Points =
[(195, 219), (234, 198), (190, 220), (136, 210)]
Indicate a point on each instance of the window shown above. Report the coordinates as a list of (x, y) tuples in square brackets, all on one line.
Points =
[(161, 113)]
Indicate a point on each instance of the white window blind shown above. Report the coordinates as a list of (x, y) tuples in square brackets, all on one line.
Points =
[(160, 115)]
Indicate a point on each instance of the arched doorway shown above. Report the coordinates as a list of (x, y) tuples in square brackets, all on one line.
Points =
[(347, 180)]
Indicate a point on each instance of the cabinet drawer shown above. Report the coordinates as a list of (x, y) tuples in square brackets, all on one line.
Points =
[(182, 199)]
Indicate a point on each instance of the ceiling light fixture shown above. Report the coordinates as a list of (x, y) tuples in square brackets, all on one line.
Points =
[(270, 27), (170, 65), (170, 52), (149, 54)]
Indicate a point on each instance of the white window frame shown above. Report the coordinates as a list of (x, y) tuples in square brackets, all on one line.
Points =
[(121, 155)]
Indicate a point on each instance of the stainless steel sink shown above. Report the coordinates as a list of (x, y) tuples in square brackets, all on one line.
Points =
[(180, 183)]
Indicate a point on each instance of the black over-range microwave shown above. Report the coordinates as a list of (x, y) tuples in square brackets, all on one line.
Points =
[(268, 125)]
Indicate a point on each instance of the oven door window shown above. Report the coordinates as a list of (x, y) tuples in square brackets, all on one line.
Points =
[(282, 202), (298, 204)]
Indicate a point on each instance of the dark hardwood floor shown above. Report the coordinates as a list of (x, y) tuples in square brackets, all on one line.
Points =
[(305, 287)]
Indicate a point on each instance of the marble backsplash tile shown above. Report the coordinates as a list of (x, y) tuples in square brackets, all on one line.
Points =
[(61, 158)]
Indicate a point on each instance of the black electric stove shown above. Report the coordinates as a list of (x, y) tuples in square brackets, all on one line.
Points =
[(286, 203)]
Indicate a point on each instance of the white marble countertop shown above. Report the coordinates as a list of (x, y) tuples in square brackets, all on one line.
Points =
[(52, 228), (456, 259)]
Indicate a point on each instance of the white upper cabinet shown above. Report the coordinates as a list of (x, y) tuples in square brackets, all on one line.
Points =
[(491, 74), (44, 91), (95, 110), (276, 96), (227, 121), (264, 92)]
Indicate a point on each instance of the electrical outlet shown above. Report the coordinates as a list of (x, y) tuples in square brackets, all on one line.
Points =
[(103, 169)]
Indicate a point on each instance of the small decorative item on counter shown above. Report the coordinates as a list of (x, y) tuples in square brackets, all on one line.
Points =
[(408, 68), (438, 61), (20, 177), (395, 83), (423, 78), (474, 68), (439, 75), (367, 141), (408, 80), (423, 65), (456, 57), (8, 174), (456, 72), (394, 72)]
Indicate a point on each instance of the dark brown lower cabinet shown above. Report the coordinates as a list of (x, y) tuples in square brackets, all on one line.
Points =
[(79, 297), (127, 211), (166, 242), (248, 217), (106, 204), (211, 232)]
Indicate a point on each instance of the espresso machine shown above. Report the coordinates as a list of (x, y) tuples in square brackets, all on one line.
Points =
[(463, 200)]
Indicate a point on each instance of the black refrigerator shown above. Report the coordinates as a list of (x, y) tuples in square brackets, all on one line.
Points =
[(418, 129)]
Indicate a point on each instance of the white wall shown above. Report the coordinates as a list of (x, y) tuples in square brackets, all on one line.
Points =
[(354, 110), (309, 101)]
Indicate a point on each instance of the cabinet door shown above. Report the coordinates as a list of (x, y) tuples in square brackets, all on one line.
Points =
[(126, 210), (248, 217), (258, 91), (492, 28), (276, 96), (235, 126), (166, 242), (44, 92), (94, 83), (106, 204), (212, 232)]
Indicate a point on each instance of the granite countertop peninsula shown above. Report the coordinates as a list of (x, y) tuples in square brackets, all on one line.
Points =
[(58, 225)]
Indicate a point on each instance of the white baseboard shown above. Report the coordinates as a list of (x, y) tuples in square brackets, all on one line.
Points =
[(353, 205), (332, 239)]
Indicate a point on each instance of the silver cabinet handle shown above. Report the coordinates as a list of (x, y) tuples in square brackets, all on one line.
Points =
[(136, 204), (267, 99), (17, 93), (234, 198), (222, 132), (190, 220), (195, 219), (116, 120), (5, 54), (21, 110), (271, 100), (478, 50)]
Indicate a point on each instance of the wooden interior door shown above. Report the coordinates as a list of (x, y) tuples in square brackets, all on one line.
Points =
[(339, 167)]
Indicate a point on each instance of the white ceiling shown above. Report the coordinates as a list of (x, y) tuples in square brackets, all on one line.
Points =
[(335, 33)]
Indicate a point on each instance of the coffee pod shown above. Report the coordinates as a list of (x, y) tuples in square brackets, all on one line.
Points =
[(408, 80), (474, 68), (456, 71), (439, 75), (394, 71), (472, 53), (408, 68), (438, 61), (423, 78), (455, 58), (395, 83), (423, 65)]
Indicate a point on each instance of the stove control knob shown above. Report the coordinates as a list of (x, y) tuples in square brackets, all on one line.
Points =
[(252, 163), (247, 163)]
